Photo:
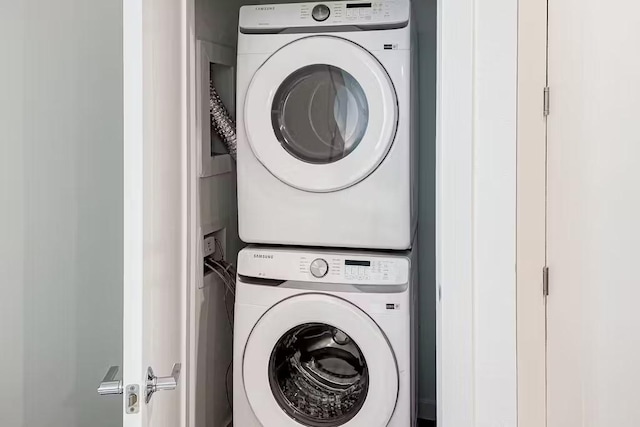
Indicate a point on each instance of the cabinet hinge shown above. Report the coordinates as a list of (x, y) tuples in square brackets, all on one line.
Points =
[(545, 102), (545, 281)]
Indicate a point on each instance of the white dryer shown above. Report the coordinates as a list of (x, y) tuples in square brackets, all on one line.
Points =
[(327, 152), (324, 338)]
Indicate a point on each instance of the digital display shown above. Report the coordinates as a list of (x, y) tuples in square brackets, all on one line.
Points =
[(358, 263), (354, 5)]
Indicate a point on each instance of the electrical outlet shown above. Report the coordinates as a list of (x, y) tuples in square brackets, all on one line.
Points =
[(209, 245)]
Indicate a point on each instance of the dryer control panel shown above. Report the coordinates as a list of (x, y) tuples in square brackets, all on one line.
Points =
[(324, 266), (367, 14)]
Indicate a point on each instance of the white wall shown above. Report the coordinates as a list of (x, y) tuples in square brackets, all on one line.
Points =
[(61, 216), (477, 93)]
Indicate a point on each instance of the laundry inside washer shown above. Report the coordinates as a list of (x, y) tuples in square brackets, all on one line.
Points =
[(318, 375)]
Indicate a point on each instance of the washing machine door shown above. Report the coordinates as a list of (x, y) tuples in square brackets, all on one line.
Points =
[(321, 114), (318, 360)]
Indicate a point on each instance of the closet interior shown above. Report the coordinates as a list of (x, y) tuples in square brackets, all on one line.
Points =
[(216, 31)]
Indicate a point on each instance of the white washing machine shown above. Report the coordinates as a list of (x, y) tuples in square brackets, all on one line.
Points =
[(324, 338), (327, 152)]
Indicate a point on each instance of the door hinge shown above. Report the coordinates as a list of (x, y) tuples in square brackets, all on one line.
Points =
[(545, 281), (545, 102)]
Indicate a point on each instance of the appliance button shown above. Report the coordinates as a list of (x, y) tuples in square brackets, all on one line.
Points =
[(321, 12), (319, 268)]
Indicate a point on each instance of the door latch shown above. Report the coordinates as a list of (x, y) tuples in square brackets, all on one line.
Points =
[(132, 399), (162, 383), (110, 385)]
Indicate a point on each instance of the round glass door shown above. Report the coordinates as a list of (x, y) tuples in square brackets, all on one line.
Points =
[(318, 375), (321, 114), (315, 360)]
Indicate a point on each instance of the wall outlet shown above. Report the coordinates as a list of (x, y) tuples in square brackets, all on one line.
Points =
[(213, 245), (209, 245)]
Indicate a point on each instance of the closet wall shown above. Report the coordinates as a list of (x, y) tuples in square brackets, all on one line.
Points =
[(216, 21), (426, 16)]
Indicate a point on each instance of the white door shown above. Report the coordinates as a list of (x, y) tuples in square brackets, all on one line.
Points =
[(155, 218), (321, 113), (594, 214)]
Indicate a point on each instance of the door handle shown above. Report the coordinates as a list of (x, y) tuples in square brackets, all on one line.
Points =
[(109, 384), (162, 383)]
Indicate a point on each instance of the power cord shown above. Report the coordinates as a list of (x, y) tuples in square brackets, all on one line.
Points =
[(229, 281)]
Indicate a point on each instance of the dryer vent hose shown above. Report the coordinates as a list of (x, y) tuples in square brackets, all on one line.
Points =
[(222, 122)]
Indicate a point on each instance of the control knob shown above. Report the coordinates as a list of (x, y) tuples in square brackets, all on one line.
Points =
[(321, 12), (319, 268)]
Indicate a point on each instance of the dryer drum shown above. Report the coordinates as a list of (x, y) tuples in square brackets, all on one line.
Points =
[(320, 114), (318, 375)]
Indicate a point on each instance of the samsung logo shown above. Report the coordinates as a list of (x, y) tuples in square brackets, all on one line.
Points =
[(263, 256), (265, 8)]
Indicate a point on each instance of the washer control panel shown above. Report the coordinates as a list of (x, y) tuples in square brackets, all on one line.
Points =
[(322, 266), (378, 270), (375, 13)]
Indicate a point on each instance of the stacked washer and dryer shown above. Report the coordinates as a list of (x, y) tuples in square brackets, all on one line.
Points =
[(325, 313)]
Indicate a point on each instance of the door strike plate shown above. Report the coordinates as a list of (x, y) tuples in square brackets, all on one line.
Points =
[(132, 398)]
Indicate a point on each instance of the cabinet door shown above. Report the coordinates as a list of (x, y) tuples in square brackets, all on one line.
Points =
[(155, 212), (593, 212)]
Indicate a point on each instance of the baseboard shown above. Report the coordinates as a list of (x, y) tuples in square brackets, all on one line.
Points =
[(427, 409)]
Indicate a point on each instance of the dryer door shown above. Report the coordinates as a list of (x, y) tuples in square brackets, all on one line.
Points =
[(318, 360), (321, 114)]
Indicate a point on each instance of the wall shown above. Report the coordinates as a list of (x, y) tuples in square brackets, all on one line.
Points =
[(531, 214), (426, 12), (61, 217), (476, 143), (216, 21), (11, 216)]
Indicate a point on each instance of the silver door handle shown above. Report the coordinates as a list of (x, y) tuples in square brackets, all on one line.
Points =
[(162, 383), (109, 384)]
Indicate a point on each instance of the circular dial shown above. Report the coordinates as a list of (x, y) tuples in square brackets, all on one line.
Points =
[(321, 12), (319, 268)]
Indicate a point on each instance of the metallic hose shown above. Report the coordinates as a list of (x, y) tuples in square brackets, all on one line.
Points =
[(222, 122)]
